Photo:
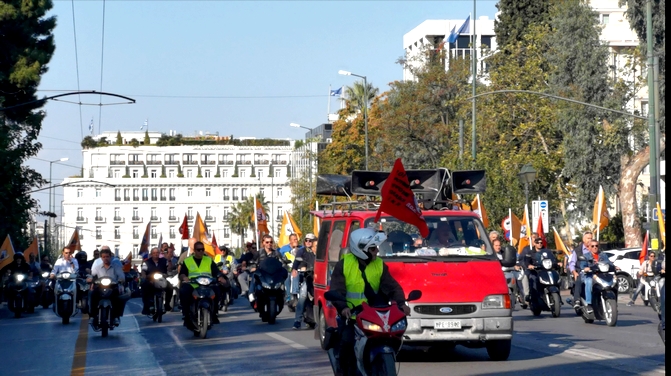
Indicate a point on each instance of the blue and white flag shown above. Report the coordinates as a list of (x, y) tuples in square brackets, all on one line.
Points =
[(146, 122), (337, 92), (91, 126), (464, 29), (453, 35)]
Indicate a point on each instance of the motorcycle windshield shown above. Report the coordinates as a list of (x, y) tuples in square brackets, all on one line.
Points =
[(274, 268)]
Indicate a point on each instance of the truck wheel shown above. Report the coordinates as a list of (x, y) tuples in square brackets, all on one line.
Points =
[(499, 350), (322, 328)]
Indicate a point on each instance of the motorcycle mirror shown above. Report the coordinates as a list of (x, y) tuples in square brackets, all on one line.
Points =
[(582, 258), (509, 256), (220, 264), (414, 295), (334, 296)]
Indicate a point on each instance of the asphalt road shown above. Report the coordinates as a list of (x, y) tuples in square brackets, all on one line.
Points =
[(39, 344)]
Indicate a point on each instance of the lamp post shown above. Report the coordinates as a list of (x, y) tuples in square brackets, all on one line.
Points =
[(309, 154), (365, 109), (527, 175), (51, 185)]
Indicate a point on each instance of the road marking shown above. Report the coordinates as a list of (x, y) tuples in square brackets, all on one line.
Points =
[(202, 370), (79, 360), (287, 341)]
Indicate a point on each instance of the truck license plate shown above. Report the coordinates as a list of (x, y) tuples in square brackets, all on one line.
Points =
[(447, 324)]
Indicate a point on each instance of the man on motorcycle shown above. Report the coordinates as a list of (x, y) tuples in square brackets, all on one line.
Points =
[(248, 257), (66, 263), (112, 270), (591, 253), (528, 261), (645, 269), (195, 265), (362, 277), (81, 257), (155, 264), (19, 265), (305, 258)]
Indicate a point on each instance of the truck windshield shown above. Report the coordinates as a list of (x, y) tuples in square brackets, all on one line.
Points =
[(453, 236)]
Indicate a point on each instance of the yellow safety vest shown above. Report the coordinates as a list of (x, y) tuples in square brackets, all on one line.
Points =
[(354, 281), (218, 259), (205, 267)]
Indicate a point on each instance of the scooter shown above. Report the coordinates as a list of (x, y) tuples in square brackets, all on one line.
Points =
[(105, 321), (604, 295), (512, 279), (378, 335), (305, 282), (225, 288), (18, 299), (66, 296), (173, 279), (158, 308), (652, 295), (548, 298), (47, 295), (269, 289), (200, 312)]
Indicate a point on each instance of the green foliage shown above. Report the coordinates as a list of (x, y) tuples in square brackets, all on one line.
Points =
[(200, 174), (166, 140), (147, 141), (515, 17), (235, 170), (288, 171), (89, 143), (163, 171), (27, 45), (180, 174), (357, 95), (134, 142), (241, 218), (614, 232), (126, 174), (103, 142), (119, 140), (299, 144)]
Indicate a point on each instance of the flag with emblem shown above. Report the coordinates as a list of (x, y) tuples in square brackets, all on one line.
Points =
[(6, 252), (74, 244), (600, 215), (289, 227), (200, 233), (260, 218)]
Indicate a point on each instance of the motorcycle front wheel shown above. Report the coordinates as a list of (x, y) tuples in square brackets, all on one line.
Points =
[(384, 365), (610, 312), (104, 321), (204, 322), (272, 311), (556, 304)]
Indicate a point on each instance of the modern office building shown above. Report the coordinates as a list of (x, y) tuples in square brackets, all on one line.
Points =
[(123, 188)]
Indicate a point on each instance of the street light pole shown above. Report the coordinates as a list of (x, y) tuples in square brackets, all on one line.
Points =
[(309, 156), (652, 125), (527, 175), (50, 187), (365, 107)]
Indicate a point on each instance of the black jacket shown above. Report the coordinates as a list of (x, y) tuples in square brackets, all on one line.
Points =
[(152, 268), (389, 288), (275, 253)]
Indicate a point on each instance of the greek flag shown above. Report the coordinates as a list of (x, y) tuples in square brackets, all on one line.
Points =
[(91, 126), (145, 124), (337, 92)]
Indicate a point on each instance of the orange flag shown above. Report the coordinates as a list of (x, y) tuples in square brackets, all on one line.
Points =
[(515, 228), (644, 249), (32, 249), (127, 263), (6, 252), (200, 233), (600, 215), (479, 209), (526, 229), (74, 244), (560, 243), (261, 219)]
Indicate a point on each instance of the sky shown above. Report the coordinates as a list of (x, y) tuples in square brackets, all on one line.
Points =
[(246, 68)]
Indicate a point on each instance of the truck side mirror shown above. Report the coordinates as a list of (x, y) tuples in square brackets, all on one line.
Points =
[(509, 256)]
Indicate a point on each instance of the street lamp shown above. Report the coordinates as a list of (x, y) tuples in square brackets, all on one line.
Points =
[(365, 109), (527, 175), (50, 186), (309, 154)]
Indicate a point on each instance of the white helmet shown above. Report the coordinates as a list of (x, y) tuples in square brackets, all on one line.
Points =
[(362, 239)]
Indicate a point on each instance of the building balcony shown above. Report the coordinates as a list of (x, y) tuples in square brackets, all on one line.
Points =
[(117, 163), (154, 198), (225, 162), (245, 162), (172, 198), (173, 218), (118, 219), (136, 198), (172, 235), (135, 163), (117, 236), (225, 217), (190, 162), (82, 220), (145, 198), (154, 163), (118, 198), (100, 219), (189, 217), (208, 162), (209, 218), (126, 198), (163, 198), (236, 198), (99, 236), (155, 218), (172, 163), (136, 236), (226, 198), (136, 219), (262, 162)]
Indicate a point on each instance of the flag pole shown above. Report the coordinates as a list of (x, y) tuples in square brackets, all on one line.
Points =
[(598, 223), (256, 224), (510, 215), (328, 106)]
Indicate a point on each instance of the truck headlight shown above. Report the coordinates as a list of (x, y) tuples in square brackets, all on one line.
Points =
[(496, 301)]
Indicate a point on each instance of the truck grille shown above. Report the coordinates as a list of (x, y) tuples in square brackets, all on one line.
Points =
[(435, 309)]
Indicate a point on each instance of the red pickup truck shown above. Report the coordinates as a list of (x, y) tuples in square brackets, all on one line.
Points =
[(464, 293)]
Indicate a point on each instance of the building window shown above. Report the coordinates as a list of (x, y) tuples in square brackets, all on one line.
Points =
[(117, 194), (172, 232), (145, 194), (136, 250), (171, 213), (235, 194), (224, 173), (208, 192), (243, 193), (80, 214), (172, 194), (189, 173), (226, 212), (80, 192), (136, 194), (99, 214), (116, 249), (243, 173), (117, 232), (171, 173), (279, 213), (136, 173), (99, 232), (279, 191), (136, 214), (605, 19), (260, 174), (152, 173), (206, 173), (136, 232), (162, 194), (189, 192), (117, 214), (98, 192), (208, 213), (153, 194), (116, 174), (154, 234), (262, 191), (227, 232), (226, 194), (153, 214), (126, 194), (189, 213)]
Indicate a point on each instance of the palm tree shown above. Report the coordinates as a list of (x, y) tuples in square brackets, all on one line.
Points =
[(354, 95), (238, 220)]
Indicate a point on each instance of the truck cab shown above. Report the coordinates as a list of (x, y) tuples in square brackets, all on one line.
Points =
[(465, 297)]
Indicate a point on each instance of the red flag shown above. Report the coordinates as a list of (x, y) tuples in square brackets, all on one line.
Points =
[(644, 248), (215, 245), (541, 232), (184, 228), (399, 201)]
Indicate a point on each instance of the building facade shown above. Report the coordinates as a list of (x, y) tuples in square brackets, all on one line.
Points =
[(123, 188)]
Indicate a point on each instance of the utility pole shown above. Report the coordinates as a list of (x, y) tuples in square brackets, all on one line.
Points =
[(475, 74), (652, 125)]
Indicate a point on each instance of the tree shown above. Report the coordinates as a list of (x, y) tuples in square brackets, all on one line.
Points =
[(119, 140), (515, 17), (89, 143), (147, 141), (27, 45), (163, 171), (355, 94), (180, 174), (200, 174), (134, 142), (593, 139)]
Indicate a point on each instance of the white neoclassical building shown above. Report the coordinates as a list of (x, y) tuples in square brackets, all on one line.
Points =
[(123, 188)]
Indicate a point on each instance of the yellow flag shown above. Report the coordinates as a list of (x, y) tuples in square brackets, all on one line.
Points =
[(526, 229), (662, 230), (560, 243), (315, 225), (32, 249), (6, 252), (479, 209), (600, 215), (74, 244), (289, 227), (261, 218), (200, 233)]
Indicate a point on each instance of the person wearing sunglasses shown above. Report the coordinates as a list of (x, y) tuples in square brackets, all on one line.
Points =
[(67, 263), (305, 260), (526, 262), (198, 264), (645, 269), (575, 266)]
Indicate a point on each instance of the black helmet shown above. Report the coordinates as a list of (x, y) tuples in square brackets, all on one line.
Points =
[(19, 255), (81, 257)]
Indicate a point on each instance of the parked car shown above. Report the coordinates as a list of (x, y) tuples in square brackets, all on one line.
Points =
[(627, 260)]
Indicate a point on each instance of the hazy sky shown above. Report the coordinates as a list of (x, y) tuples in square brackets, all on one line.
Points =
[(268, 63)]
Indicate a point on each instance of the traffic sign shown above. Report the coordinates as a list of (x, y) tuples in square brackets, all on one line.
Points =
[(655, 216), (540, 208)]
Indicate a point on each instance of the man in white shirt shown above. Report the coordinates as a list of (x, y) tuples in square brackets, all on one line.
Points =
[(66, 263)]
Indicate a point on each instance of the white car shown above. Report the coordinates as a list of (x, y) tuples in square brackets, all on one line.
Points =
[(627, 260)]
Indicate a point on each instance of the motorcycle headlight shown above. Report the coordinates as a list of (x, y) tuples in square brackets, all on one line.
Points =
[(493, 301), (158, 276), (265, 285), (547, 264), (203, 281), (45, 275), (603, 268), (367, 325), (65, 275), (652, 283), (400, 325), (106, 282), (20, 277)]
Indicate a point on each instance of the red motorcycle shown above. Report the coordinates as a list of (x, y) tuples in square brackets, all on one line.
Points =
[(378, 333)]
